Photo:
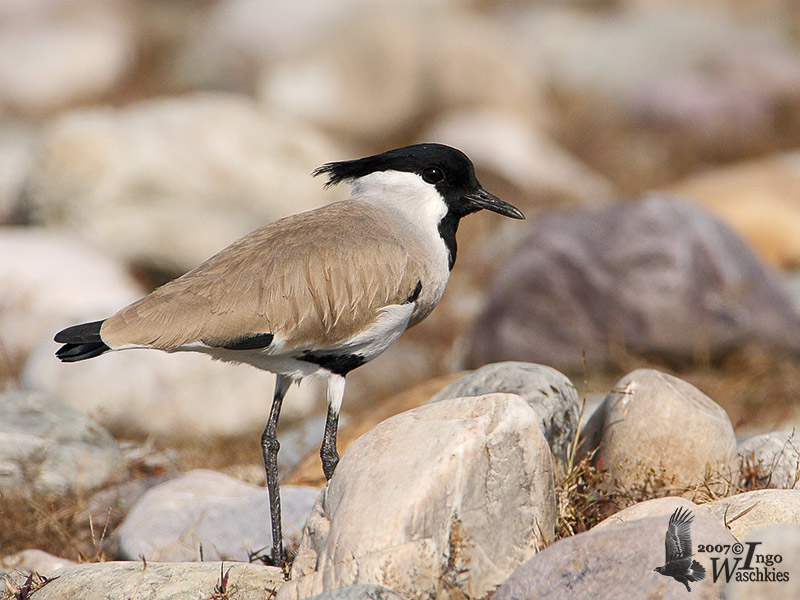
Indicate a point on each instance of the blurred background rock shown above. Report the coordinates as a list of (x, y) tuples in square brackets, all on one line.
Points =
[(138, 137)]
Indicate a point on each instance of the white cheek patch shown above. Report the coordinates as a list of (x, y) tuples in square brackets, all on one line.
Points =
[(408, 193)]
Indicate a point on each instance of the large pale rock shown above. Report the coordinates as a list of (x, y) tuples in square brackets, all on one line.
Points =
[(748, 511), (144, 393), (654, 425), (161, 581), (649, 91), (399, 62), (614, 562), (771, 460), (772, 542), (656, 277), (549, 393), (648, 508), (169, 182), (48, 63), (227, 517), (47, 447), (235, 39), (51, 280), (453, 494), (760, 199)]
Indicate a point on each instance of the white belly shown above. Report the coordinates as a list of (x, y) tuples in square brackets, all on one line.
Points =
[(392, 321)]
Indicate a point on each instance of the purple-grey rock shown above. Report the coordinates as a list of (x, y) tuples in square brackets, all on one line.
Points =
[(656, 277)]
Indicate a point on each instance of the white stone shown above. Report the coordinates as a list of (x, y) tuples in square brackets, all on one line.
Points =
[(33, 561), (780, 545), (398, 62), (648, 508), (227, 517), (548, 392), (47, 64), (455, 493)]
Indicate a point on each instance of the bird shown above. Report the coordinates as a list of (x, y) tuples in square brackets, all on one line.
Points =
[(678, 540), (318, 293)]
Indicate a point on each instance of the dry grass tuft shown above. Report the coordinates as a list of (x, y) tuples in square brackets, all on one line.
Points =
[(24, 589), (63, 526)]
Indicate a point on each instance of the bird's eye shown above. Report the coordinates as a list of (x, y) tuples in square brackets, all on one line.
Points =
[(432, 175)]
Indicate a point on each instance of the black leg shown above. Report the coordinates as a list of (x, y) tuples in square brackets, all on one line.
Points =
[(327, 452), (270, 447)]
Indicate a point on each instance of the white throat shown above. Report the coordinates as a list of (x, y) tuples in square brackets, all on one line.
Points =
[(407, 193)]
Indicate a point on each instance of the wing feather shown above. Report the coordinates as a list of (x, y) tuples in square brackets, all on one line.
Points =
[(320, 275), (679, 537)]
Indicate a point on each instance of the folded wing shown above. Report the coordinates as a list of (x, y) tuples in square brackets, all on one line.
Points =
[(318, 276)]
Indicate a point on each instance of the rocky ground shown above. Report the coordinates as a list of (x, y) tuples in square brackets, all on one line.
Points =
[(630, 349)]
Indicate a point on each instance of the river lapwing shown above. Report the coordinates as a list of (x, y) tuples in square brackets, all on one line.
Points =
[(317, 293)]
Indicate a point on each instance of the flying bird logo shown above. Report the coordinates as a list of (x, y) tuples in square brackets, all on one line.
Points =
[(678, 542)]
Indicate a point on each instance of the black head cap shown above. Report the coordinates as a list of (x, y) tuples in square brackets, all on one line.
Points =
[(446, 168)]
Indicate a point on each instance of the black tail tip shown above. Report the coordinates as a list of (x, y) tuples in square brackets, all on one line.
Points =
[(76, 352), (85, 332), (80, 342)]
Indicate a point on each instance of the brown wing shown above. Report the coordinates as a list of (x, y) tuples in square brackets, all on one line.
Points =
[(318, 275)]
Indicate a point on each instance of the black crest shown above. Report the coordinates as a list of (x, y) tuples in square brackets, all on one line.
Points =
[(456, 166)]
